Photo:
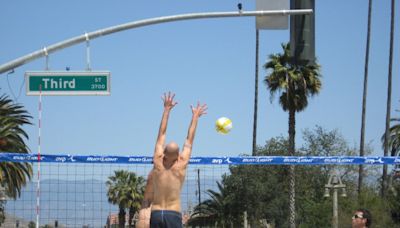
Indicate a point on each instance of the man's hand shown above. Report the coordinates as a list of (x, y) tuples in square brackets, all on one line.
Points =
[(168, 99), (199, 110)]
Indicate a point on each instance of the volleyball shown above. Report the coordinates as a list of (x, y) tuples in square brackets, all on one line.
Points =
[(223, 125)]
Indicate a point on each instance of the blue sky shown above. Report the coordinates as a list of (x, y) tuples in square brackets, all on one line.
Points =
[(210, 60)]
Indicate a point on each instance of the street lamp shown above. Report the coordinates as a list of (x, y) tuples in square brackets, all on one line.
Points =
[(335, 183)]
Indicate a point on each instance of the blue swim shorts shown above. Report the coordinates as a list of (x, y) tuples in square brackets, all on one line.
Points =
[(165, 219)]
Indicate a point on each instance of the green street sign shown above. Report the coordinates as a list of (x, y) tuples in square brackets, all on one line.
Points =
[(67, 83)]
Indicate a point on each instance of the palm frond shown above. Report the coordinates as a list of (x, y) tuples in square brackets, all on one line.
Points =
[(294, 83), (13, 176)]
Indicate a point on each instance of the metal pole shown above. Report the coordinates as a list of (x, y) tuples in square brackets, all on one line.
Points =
[(198, 188), (245, 219), (88, 68), (198, 185), (335, 208), (122, 27)]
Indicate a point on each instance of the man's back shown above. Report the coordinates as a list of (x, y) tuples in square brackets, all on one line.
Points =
[(167, 187)]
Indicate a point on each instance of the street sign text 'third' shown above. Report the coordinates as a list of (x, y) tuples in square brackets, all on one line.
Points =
[(67, 83)]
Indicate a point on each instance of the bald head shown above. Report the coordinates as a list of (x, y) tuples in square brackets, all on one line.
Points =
[(171, 150)]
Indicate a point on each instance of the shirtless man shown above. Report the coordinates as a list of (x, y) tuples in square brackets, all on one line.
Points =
[(169, 169)]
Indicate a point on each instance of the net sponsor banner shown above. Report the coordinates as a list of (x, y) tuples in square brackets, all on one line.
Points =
[(244, 160)]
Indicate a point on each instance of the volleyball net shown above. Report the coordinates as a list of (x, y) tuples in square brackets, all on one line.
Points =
[(73, 190)]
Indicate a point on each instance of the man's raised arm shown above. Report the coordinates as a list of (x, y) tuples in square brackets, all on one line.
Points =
[(197, 112), (169, 103)]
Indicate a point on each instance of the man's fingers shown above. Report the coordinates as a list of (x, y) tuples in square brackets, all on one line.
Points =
[(204, 108), (168, 98), (171, 95), (199, 109)]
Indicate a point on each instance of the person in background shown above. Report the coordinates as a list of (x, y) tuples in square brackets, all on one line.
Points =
[(362, 218), (145, 210)]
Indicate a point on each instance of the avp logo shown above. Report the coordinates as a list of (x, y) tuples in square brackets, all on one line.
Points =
[(60, 159), (228, 161), (374, 161), (71, 158), (216, 161)]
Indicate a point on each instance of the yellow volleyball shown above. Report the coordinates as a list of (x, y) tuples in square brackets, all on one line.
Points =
[(223, 125)]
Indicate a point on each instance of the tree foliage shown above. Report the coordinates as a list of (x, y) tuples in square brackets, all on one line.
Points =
[(394, 137), (394, 147), (261, 190), (126, 190), (216, 211), (13, 176), (293, 81)]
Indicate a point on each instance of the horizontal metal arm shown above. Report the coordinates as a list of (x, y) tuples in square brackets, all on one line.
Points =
[(122, 27)]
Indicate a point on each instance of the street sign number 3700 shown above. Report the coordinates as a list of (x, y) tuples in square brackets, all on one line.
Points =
[(67, 83)]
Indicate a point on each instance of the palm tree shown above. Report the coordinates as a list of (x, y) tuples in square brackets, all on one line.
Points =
[(295, 83), (394, 137), (136, 187), (13, 176), (394, 147), (389, 101), (214, 211), (364, 99), (126, 190)]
